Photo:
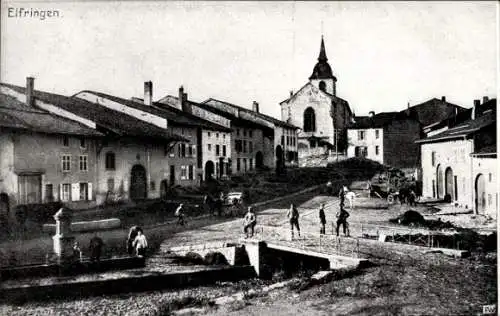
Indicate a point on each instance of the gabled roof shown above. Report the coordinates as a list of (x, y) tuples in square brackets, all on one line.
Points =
[(462, 130), (111, 120), (174, 117), (271, 119), (377, 121), (434, 110), (17, 115)]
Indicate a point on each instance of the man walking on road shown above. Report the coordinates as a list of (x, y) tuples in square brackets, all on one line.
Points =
[(179, 212), (293, 216), (249, 222), (322, 219), (342, 216)]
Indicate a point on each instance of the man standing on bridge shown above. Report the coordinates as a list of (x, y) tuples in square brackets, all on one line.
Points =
[(322, 219), (293, 216), (342, 216), (250, 221)]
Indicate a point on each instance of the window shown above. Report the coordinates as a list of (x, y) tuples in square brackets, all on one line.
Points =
[(223, 136), (83, 163), (65, 141), (29, 189), (376, 150), (82, 143), (489, 177), (183, 172), (250, 147), (66, 163), (244, 146), (282, 140), (84, 191), (250, 133), (360, 151), (238, 132), (490, 200), (152, 186), (209, 146), (244, 133), (193, 150), (251, 163), (110, 161), (208, 134), (66, 192), (224, 150), (217, 150), (182, 131), (433, 158), (361, 135), (183, 150), (49, 192), (245, 164), (238, 145), (191, 172), (190, 151), (238, 164), (377, 134), (309, 120), (111, 185), (217, 135)]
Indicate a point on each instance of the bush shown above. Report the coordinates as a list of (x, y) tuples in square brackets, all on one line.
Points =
[(215, 258), (39, 213)]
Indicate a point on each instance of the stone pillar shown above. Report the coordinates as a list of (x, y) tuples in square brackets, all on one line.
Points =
[(255, 251), (63, 241)]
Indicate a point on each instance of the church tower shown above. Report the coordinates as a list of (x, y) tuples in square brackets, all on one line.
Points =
[(322, 76)]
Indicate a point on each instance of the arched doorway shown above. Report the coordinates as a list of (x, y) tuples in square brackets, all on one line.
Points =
[(4, 207), (138, 183), (439, 182), (448, 176), (480, 194), (163, 189), (209, 170), (280, 161), (259, 160)]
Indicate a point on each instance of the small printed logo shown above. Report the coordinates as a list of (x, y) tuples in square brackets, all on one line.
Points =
[(489, 309)]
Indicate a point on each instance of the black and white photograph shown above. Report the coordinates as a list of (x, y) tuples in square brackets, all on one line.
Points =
[(248, 158)]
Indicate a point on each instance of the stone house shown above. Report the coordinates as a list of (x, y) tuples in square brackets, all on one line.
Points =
[(459, 163), (43, 157)]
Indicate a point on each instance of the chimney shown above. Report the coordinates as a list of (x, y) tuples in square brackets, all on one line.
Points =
[(485, 99), (443, 98), (474, 109), (148, 92), (181, 98), (255, 106), (30, 87), (371, 113), (291, 93)]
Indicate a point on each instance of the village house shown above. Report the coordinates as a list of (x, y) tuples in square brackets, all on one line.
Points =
[(322, 115), (43, 157), (388, 138), (189, 162), (128, 161), (280, 148), (459, 162)]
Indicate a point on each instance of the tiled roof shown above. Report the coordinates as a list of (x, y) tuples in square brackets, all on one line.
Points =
[(114, 121), (271, 119), (175, 117), (434, 110), (377, 121), (43, 122), (462, 130)]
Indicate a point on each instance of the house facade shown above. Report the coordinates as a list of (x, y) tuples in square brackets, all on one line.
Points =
[(44, 157), (459, 163), (316, 109)]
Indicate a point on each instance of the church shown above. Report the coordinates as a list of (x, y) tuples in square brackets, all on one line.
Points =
[(320, 114)]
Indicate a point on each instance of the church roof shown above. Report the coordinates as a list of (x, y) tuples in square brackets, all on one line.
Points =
[(322, 69)]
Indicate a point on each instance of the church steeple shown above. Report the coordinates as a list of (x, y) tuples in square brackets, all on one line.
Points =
[(322, 70), (322, 52)]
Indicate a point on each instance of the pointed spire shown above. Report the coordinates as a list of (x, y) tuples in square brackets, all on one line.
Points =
[(322, 51)]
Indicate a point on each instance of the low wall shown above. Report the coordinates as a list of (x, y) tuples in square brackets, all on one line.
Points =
[(104, 224), (46, 270), (146, 282), (229, 251)]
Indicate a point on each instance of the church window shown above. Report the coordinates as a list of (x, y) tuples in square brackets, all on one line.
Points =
[(309, 120), (322, 86)]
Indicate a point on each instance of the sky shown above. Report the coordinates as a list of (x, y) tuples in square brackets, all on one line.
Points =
[(384, 54)]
